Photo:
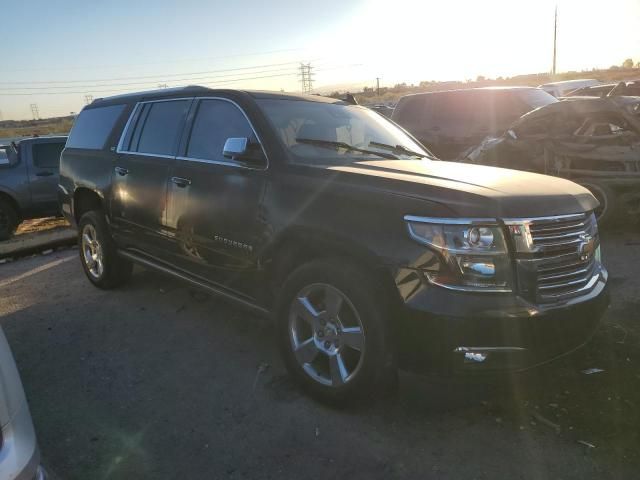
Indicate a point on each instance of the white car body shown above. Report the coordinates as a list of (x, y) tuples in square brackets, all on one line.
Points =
[(19, 454), (560, 89)]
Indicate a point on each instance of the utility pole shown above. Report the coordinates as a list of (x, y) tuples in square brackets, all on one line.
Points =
[(34, 111), (1, 119), (306, 77), (378, 86), (88, 98), (555, 40)]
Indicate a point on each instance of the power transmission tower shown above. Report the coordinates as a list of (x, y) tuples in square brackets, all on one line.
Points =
[(34, 111), (555, 40), (88, 99), (306, 77), (162, 85)]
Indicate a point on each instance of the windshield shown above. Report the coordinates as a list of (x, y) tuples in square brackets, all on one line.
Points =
[(535, 97), (316, 133)]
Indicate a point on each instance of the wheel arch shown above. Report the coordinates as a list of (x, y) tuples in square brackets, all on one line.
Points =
[(298, 246), (12, 201), (84, 200)]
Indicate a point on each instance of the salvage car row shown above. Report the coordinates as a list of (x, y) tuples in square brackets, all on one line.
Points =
[(592, 141)]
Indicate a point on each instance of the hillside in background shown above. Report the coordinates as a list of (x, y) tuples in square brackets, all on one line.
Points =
[(29, 128)]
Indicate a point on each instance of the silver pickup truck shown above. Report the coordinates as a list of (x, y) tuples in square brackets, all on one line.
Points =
[(28, 181)]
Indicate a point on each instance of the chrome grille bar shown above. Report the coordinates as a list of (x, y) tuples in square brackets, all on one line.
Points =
[(558, 254)]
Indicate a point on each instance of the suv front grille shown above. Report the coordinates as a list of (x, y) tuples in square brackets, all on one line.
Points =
[(557, 257)]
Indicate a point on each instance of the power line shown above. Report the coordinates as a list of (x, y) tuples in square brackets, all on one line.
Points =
[(186, 79), (160, 62), (213, 83), (162, 77)]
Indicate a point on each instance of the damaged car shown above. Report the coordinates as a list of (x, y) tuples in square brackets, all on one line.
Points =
[(594, 142)]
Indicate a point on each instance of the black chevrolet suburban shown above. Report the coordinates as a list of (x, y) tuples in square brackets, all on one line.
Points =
[(368, 254)]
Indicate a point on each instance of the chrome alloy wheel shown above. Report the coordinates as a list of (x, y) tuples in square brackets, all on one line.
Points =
[(92, 251), (326, 334)]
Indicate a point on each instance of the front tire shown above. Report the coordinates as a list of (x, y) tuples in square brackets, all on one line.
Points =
[(8, 219), (333, 333), (98, 253)]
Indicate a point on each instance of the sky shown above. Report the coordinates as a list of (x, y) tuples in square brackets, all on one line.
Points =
[(55, 52)]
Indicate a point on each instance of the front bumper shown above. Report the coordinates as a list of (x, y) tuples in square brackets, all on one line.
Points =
[(19, 455), (448, 332)]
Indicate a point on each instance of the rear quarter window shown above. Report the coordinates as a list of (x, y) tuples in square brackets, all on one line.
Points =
[(93, 126)]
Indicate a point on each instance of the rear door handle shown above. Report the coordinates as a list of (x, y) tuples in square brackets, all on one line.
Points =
[(44, 174), (181, 182), (122, 171)]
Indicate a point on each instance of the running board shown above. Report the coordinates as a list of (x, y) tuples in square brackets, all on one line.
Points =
[(197, 283)]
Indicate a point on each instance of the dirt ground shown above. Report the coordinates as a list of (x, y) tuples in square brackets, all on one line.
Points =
[(157, 380), (41, 224)]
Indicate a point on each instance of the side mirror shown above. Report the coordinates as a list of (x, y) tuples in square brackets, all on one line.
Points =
[(235, 147)]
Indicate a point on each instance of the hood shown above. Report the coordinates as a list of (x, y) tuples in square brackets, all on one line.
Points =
[(476, 190)]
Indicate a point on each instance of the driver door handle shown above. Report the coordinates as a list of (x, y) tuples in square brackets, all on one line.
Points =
[(122, 171), (44, 174), (181, 182)]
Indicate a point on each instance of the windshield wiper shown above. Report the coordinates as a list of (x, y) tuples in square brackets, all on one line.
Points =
[(333, 144), (398, 149)]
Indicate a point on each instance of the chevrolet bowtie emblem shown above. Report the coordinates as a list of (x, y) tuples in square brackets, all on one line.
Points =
[(587, 247)]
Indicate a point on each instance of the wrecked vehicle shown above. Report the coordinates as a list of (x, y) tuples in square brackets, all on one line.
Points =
[(594, 142), (628, 88)]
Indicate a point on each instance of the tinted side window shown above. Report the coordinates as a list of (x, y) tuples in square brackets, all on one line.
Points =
[(159, 126), (4, 157), (215, 121), (47, 155), (93, 126), (454, 113), (412, 111)]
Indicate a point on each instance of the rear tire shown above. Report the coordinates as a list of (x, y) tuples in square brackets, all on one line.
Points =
[(332, 332), (98, 253), (8, 219)]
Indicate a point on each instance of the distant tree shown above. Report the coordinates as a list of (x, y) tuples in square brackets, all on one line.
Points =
[(628, 63), (480, 78), (614, 67)]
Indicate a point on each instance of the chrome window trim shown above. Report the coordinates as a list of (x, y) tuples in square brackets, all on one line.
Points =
[(128, 125), (229, 163), (156, 155)]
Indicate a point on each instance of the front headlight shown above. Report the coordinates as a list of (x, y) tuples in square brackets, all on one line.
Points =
[(473, 253)]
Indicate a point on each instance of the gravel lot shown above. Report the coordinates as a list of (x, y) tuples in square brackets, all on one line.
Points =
[(157, 380)]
